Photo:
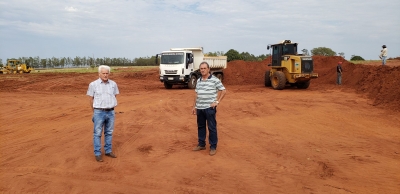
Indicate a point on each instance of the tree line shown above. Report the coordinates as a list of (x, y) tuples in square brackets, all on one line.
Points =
[(68, 62), (232, 54)]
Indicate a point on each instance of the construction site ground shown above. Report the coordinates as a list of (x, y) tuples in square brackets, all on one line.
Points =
[(325, 139)]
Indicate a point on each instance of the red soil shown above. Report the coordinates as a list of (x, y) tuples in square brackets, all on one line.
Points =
[(326, 139)]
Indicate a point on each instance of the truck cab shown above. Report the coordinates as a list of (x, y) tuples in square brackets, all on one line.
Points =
[(175, 67), (180, 66)]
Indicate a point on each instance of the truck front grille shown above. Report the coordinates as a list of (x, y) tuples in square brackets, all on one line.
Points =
[(171, 71)]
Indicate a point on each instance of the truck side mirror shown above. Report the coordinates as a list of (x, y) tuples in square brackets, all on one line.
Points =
[(189, 60), (268, 47)]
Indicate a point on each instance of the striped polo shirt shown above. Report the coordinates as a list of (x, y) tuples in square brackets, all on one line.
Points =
[(103, 93), (207, 91)]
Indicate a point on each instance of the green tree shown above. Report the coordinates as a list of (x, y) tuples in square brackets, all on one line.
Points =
[(246, 56), (341, 54), (323, 51), (220, 53), (211, 54), (232, 55), (262, 57), (43, 63), (356, 58), (76, 61)]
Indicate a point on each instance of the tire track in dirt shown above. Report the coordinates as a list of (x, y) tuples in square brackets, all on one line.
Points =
[(57, 172)]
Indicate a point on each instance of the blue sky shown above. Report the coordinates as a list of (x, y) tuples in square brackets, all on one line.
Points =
[(139, 28)]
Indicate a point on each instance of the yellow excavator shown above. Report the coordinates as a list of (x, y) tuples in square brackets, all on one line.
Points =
[(14, 66)]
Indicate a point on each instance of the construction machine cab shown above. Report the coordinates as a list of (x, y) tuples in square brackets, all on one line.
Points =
[(285, 47)]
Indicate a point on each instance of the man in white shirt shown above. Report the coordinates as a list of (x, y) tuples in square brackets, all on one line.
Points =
[(102, 97), (383, 54)]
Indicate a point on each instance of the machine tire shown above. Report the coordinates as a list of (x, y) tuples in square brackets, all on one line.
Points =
[(167, 85), (192, 82), (303, 85), (267, 79), (278, 80), (219, 76)]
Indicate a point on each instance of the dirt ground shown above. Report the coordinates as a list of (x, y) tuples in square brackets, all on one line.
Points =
[(326, 139)]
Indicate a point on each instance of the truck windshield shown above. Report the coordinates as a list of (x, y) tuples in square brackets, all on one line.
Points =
[(172, 58)]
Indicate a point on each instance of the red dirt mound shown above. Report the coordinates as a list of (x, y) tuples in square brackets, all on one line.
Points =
[(379, 83), (245, 72)]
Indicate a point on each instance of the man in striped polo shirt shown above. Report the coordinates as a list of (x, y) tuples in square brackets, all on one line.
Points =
[(209, 93), (102, 97)]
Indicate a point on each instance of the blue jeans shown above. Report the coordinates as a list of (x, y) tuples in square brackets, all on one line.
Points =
[(207, 116), (384, 60), (339, 78), (103, 119)]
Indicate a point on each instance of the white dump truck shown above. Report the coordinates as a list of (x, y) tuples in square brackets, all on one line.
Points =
[(180, 66)]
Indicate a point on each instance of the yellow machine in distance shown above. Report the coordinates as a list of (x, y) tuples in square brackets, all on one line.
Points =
[(14, 66), (288, 67)]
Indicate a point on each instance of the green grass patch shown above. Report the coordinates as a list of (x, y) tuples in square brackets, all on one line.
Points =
[(365, 62)]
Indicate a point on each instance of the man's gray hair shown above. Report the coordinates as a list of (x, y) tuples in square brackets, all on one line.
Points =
[(104, 67), (208, 66)]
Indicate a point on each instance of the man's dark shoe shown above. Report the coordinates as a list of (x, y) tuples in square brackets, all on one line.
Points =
[(213, 152), (112, 155), (198, 148), (98, 158)]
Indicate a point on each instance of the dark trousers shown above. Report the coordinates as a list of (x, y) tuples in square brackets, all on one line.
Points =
[(207, 116), (339, 78)]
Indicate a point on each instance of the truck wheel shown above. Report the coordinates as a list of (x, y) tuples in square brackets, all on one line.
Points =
[(167, 85), (267, 79), (278, 80), (303, 85), (219, 76), (192, 82)]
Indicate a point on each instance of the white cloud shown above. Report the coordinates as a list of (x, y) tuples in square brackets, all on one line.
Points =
[(141, 28), (71, 9)]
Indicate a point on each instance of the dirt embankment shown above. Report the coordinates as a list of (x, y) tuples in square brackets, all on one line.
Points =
[(379, 83)]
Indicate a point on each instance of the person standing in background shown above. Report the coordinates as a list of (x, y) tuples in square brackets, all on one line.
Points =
[(339, 71), (383, 54)]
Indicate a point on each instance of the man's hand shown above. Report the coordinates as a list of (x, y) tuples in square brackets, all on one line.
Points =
[(193, 111), (214, 104)]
